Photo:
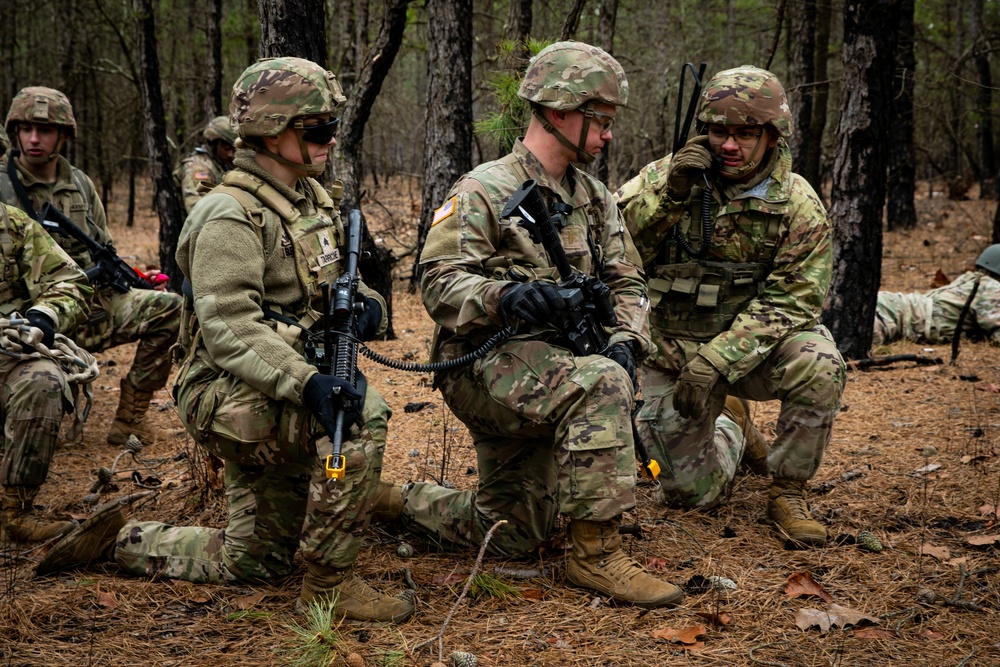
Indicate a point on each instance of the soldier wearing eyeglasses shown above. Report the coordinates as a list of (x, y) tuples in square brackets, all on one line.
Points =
[(737, 254), (257, 251)]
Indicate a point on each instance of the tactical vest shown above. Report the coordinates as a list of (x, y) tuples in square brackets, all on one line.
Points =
[(697, 300), (316, 254)]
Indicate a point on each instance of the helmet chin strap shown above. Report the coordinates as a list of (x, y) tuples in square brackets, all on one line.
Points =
[(306, 165), (36, 160), (582, 156), (737, 173)]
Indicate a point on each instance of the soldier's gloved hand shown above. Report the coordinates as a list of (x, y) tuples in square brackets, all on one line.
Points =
[(325, 394), (695, 388), (535, 302), (624, 355), (42, 322), (687, 166), (369, 318)]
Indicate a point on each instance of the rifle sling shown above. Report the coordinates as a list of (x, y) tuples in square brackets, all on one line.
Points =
[(22, 194)]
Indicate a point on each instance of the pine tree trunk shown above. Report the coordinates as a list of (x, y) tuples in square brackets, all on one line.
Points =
[(803, 34), (169, 205), (989, 188), (448, 128), (213, 103), (859, 172), (901, 212), (293, 28)]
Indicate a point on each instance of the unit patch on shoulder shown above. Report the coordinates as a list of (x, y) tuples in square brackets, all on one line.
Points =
[(201, 175), (446, 209)]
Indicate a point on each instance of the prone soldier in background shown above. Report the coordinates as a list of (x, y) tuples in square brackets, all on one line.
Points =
[(207, 164), (40, 122), (932, 317), (737, 251), (39, 282), (551, 428), (258, 251)]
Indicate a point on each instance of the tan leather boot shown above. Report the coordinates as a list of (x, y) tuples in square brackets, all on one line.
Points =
[(756, 451), (597, 562), (787, 506), (388, 504), (356, 602), (130, 418), (93, 542), (20, 523)]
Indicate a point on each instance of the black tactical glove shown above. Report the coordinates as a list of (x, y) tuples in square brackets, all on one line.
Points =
[(325, 394), (624, 355), (536, 303), (369, 318), (42, 322), (693, 392), (687, 166)]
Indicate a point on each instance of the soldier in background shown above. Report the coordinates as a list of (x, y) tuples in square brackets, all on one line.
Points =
[(207, 163), (40, 122), (39, 282), (736, 297), (263, 243), (933, 316), (551, 430)]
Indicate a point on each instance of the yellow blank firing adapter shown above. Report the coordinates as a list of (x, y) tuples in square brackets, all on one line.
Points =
[(335, 471)]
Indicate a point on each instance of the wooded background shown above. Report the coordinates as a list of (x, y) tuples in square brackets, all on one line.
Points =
[(884, 92)]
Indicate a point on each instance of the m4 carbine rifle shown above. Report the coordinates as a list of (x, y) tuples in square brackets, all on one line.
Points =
[(588, 299), (111, 269)]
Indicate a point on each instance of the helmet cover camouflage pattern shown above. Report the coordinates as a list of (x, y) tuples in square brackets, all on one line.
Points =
[(219, 129), (567, 75), (4, 142), (746, 95), (46, 106), (989, 259), (273, 91)]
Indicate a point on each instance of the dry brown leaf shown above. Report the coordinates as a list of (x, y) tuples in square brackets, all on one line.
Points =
[(991, 387), (873, 633), (940, 279), (248, 601), (448, 579), (833, 616), (931, 635), (959, 561), (656, 563), (106, 599), (532, 593), (721, 618), (941, 553), (990, 510), (688, 635), (982, 540), (801, 584), (968, 458)]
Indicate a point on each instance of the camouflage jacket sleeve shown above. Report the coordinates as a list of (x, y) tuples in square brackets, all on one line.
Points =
[(794, 293), (647, 218), (987, 308), (194, 169), (55, 285), (223, 258)]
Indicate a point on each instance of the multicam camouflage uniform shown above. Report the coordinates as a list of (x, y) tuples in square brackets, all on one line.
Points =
[(551, 430), (255, 244), (202, 165), (147, 316), (932, 317), (36, 275), (756, 325)]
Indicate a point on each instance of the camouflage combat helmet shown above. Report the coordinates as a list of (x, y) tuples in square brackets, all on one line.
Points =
[(37, 104), (567, 75), (273, 91), (219, 129), (989, 259), (746, 95), (4, 142)]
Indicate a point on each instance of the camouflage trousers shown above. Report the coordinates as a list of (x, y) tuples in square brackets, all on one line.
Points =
[(552, 436), (276, 486), (699, 457), (34, 395), (910, 317), (147, 316)]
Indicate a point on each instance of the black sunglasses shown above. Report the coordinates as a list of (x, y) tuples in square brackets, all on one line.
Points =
[(320, 134)]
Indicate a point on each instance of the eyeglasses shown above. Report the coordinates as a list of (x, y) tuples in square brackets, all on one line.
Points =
[(604, 120), (319, 134), (745, 137)]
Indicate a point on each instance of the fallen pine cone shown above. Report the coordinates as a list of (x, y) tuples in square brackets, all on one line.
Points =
[(869, 542), (463, 659), (354, 660)]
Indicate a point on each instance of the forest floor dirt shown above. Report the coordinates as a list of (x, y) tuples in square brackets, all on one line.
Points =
[(914, 460)]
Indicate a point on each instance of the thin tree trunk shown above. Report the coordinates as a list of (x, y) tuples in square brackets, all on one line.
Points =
[(859, 173), (448, 128), (169, 205), (984, 105), (803, 35), (293, 28), (572, 21), (607, 18), (519, 27), (901, 212), (812, 169), (213, 61)]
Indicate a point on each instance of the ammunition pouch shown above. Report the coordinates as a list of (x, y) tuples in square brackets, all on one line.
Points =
[(699, 300)]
